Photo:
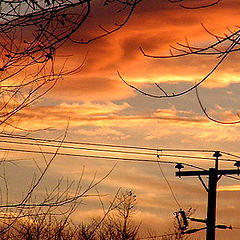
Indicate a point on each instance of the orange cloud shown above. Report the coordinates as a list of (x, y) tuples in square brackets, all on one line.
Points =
[(231, 188), (102, 132), (111, 120), (153, 27)]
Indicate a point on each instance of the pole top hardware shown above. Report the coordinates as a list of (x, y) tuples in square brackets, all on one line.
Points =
[(179, 166), (221, 226), (237, 164), (217, 154)]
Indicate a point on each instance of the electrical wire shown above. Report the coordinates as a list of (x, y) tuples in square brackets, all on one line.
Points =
[(235, 178), (101, 150), (235, 227), (230, 154), (95, 156), (166, 180), (45, 142), (158, 236), (114, 151), (17, 136), (105, 145), (158, 161)]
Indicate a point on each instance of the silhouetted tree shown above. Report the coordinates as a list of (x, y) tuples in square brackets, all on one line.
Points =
[(30, 34), (38, 224)]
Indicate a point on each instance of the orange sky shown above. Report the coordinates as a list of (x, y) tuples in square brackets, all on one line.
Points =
[(96, 106)]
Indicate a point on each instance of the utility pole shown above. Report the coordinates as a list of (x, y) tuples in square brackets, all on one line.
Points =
[(214, 176)]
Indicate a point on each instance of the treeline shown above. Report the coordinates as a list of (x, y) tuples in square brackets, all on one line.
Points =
[(116, 224)]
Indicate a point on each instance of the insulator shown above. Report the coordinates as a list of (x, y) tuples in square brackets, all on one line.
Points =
[(220, 226), (217, 154), (237, 164), (179, 166)]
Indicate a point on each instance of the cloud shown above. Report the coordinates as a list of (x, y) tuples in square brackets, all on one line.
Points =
[(231, 188), (79, 114), (153, 27), (119, 121), (102, 132), (87, 99), (93, 109), (80, 88)]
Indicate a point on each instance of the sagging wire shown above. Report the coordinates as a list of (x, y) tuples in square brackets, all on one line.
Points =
[(165, 178)]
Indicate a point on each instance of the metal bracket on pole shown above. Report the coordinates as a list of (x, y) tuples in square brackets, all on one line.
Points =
[(203, 183)]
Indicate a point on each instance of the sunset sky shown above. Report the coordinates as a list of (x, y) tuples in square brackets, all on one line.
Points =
[(96, 106)]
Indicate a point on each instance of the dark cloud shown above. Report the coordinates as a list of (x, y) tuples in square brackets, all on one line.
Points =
[(90, 89)]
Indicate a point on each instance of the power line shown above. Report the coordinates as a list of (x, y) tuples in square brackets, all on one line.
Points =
[(85, 155), (77, 148), (113, 151), (235, 178), (106, 145), (230, 154), (43, 142), (159, 236), (17, 136), (235, 227), (98, 157), (169, 186)]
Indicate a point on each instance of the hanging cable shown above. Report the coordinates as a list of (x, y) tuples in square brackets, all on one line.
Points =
[(6, 135), (90, 156), (169, 186), (235, 227), (45, 142), (159, 236), (113, 151)]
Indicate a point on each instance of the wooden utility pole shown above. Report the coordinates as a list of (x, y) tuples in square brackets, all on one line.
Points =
[(214, 175), (211, 210)]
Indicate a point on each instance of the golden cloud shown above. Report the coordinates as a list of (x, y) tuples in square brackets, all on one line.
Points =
[(154, 28), (231, 188)]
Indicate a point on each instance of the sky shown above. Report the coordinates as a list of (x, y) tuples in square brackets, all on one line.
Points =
[(96, 106)]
